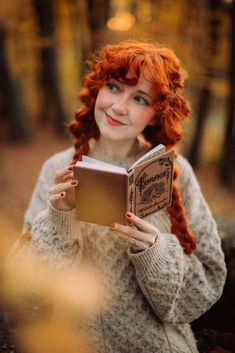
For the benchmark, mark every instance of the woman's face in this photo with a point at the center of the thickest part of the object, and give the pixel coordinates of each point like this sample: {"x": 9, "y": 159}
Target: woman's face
{"x": 122, "y": 112}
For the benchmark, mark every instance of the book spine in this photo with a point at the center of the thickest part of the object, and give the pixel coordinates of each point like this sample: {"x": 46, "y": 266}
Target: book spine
{"x": 130, "y": 192}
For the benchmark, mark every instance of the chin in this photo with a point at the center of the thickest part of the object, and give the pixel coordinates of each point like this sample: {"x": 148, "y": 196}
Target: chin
{"x": 111, "y": 134}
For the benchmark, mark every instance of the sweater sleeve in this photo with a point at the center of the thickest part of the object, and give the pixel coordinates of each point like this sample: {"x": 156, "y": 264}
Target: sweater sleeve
{"x": 55, "y": 236}
{"x": 50, "y": 245}
{"x": 178, "y": 286}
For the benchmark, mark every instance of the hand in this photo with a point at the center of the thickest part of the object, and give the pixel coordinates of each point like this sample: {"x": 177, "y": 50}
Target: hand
{"x": 141, "y": 234}
{"x": 62, "y": 193}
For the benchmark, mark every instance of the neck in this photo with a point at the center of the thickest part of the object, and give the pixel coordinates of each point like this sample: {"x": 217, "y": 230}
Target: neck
{"x": 117, "y": 148}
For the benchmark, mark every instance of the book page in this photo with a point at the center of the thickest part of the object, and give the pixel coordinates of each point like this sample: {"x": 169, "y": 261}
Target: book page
{"x": 93, "y": 160}
{"x": 95, "y": 164}
{"x": 148, "y": 155}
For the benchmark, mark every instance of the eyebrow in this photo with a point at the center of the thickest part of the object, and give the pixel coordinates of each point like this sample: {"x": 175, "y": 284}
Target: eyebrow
{"x": 143, "y": 92}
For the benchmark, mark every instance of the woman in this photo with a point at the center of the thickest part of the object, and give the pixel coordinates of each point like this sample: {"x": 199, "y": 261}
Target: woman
{"x": 165, "y": 270}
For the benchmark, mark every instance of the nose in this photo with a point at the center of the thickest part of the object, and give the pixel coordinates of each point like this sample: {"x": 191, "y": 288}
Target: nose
{"x": 120, "y": 106}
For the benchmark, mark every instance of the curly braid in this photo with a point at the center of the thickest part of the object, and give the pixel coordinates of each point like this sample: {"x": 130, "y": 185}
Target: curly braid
{"x": 179, "y": 222}
{"x": 161, "y": 66}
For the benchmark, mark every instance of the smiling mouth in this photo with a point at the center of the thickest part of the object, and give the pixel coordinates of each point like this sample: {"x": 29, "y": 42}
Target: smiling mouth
{"x": 113, "y": 121}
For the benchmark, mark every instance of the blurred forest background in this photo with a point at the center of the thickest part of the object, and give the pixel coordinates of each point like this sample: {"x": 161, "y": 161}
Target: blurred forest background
{"x": 43, "y": 47}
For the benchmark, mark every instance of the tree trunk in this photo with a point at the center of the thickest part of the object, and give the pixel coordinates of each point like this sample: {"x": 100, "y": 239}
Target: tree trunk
{"x": 205, "y": 92}
{"x": 79, "y": 14}
{"x": 98, "y": 10}
{"x": 12, "y": 106}
{"x": 51, "y": 107}
{"x": 228, "y": 160}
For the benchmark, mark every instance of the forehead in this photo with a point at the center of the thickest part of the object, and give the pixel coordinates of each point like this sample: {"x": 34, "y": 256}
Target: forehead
{"x": 141, "y": 83}
{"x": 144, "y": 84}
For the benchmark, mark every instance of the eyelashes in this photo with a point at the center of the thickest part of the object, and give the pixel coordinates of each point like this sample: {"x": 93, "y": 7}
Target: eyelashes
{"x": 117, "y": 88}
{"x": 141, "y": 100}
{"x": 112, "y": 87}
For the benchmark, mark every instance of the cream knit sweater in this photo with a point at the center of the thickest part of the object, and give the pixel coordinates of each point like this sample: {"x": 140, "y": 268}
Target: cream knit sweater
{"x": 156, "y": 293}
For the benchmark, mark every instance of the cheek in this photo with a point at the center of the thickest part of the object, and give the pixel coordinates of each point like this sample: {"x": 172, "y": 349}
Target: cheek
{"x": 144, "y": 119}
{"x": 98, "y": 101}
{"x": 102, "y": 99}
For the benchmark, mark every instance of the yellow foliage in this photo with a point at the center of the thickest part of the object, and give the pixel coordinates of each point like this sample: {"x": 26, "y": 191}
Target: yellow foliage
{"x": 44, "y": 337}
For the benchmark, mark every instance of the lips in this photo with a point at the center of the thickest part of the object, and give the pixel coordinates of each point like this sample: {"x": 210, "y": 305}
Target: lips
{"x": 112, "y": 121}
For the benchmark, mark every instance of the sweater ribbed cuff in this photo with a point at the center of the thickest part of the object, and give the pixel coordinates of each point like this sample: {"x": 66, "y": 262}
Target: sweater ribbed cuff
{"x": 155, "y": 258}
{"x": 64, "y": 221}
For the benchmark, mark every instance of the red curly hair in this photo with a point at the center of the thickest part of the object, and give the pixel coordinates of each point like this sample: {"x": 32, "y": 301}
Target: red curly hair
{"x": 161, "y": 66}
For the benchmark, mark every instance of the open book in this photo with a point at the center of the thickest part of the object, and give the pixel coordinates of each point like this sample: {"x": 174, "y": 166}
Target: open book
{"x": 106, "y": 192}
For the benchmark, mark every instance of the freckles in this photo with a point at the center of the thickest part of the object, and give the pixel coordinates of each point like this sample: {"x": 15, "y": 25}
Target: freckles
{"x": 103, "y": 100}
{"x": 144, "y": 119}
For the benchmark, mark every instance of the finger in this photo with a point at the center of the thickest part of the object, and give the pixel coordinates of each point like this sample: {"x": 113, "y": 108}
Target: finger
{"x": 132, "y": 232}
{"x": 63, "y": 173}
{"x": 68, "y": 177}
{"x": 58, "y": 188}
{"x": 141, "y": 223}
{"x": 134, "y": 243}
{"x": 56, "y": 197}
{"x": 138, "y": 245}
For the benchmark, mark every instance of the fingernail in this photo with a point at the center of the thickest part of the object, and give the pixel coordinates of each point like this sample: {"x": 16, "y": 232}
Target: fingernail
{"x": 112, "y": 226}
{"x": 70, "y": 167}
{"x": 129, "y": 214}
{"x": 74, "y": 182}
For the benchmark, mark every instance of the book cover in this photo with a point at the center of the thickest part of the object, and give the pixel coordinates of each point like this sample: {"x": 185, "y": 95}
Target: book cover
{"x": 106, "y": 192}
{"x": 153, "y": 184}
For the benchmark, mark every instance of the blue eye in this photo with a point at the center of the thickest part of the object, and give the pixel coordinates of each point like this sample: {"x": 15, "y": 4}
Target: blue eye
{"x": 112, "y": 87}
{"x": 141, "y": 100}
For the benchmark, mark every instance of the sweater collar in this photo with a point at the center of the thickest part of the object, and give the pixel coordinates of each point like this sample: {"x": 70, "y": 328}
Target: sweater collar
{"x": 117, "y": 160}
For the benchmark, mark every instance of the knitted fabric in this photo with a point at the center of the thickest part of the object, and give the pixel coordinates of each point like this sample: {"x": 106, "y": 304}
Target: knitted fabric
{"x": 156, "y": 293}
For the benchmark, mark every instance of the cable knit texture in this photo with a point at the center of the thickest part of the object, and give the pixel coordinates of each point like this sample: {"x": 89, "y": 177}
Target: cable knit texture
{"x": 155, "y": 293}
